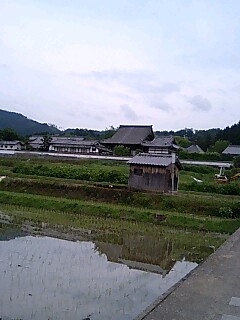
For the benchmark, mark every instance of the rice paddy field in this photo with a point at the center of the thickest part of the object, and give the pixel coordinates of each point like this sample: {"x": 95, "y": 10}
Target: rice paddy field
{"x": 75, "y": 243}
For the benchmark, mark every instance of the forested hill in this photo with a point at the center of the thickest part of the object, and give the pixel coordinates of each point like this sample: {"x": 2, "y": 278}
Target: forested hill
{"x": 24, "y": 126}
{"x": 215, "y": 139}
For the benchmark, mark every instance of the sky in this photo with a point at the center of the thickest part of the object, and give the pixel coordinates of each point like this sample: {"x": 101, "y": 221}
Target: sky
{"x": 92, "y": 64}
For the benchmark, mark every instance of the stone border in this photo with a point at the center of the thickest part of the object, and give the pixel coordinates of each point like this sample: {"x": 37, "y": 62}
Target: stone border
{"x": 224, "y": 247}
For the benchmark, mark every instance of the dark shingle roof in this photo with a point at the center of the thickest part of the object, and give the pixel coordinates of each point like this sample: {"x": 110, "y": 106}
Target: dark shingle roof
{"x": 161, "y": 160}
{"x": 39, "y": 139}
{"x": 36, "y": 139}
{"x": 194, "y": 148}
{"x": 127, "y": 134}
{"x": 232, "y": 149}
{"x": 61, "y": 141}
{"x": 161, "y": 141}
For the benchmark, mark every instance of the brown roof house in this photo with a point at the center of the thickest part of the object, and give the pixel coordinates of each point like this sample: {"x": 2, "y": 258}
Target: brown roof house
{"x": 130, "y": 136}
{"x": 154, "y": 172}
{"x": 160, "y": 144}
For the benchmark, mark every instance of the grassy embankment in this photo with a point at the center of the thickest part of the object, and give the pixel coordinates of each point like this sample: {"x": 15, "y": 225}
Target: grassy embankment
{"x": 189, "y": 210}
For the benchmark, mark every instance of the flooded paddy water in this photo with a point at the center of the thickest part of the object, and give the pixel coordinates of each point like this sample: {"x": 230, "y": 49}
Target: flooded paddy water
{"x": 55, "y": 273}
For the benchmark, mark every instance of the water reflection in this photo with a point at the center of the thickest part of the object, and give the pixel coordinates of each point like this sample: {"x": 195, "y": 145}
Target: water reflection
{"x": 140, "y": 252}
{"x": 49, "y": 278}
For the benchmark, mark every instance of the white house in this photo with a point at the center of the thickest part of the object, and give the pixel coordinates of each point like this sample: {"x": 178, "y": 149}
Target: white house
{"x": 11, "y": 145}
{"x": 76, "y": 145}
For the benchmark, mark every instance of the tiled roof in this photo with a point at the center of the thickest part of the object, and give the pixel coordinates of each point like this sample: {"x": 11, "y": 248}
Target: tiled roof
{"x": 162, "y": 160}
{"x": 130, "y": 135}
{"x": 14, "y": 142}
{"x": 72, "y": 142}
{"x": 232, "y": 149}
{"x": 194, "y": 148}
{"x": 39, "y": 139}
{"x": 161, "y": 141}
{"x": 36, "y": 139}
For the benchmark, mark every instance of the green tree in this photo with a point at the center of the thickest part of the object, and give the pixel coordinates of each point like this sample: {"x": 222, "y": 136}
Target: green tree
{"x": 236, "y": 162}
{"x": 108, "y": 132}
{"x": 231, "y": 134}
{"x": 121, "y": 151}
{"x": 205, "y": 138}
{"x": 9, "y": 134}
{"x": 182, "y": 142}
{"x": 219, "y": 146}
{"x": 46, "y": 140}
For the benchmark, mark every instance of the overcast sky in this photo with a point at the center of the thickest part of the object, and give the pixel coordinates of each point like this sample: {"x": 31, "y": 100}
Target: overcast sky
{"x": 95, "y": 63}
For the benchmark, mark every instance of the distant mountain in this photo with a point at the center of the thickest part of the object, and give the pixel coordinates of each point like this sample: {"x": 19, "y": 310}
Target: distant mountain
{"x": 24, "y": 126}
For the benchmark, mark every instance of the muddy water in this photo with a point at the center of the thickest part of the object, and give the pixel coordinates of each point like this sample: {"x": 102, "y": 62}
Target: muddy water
{"x": 72, "y": 277}
{"x": 48, "y": 278}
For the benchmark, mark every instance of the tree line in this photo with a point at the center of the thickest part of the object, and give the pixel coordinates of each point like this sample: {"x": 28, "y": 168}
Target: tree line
{"x": 211, "y": 140}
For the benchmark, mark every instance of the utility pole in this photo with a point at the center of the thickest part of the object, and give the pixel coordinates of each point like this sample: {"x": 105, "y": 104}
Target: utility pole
{"x": 172, "y": 173}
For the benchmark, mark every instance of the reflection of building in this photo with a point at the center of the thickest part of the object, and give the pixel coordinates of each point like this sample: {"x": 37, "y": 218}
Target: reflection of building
{"x": 144, "y": 253}
{"x": 154, "y": 172}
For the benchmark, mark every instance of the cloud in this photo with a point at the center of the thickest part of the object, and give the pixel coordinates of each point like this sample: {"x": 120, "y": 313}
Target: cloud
{"x": 200, "y": 103}
{"x": 73, "y": 64}
{"x": 128, "y": 112}
{"x": 169, "y": 87}
{"x": 218, "y": 91}
{"x": 161, "y": 105}
{"x": 140, "y": 81}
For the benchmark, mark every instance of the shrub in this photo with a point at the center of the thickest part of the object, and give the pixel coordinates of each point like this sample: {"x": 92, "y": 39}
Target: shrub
{"x": 227, "y": 189}
{"x": 225, "y": 212}
{"x": 88, "y": 173}
{"x": 122, "y": 151}
{"x": 200, "y": 169}
{"x": 236, "y": 162}
{"x": 214, "y": 156}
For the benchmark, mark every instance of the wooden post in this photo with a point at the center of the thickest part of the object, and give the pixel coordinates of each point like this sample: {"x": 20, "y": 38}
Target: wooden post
{"x": 172, "y": 173}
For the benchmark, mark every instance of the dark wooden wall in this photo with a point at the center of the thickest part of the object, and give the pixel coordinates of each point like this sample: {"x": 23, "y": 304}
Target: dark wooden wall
{"x": 153, "y": 178}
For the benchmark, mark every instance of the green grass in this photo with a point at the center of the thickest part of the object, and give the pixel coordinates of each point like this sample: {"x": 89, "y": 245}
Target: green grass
{"x": 119, "y": 212}
{"x": 194, "y": 245}
{"x": 5, "y": 171}
{"x": 186, "y": 177}
{"x": 197, "y": 203}
{"x": 109, "y": 172}
{"x": 188, "y": 217}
